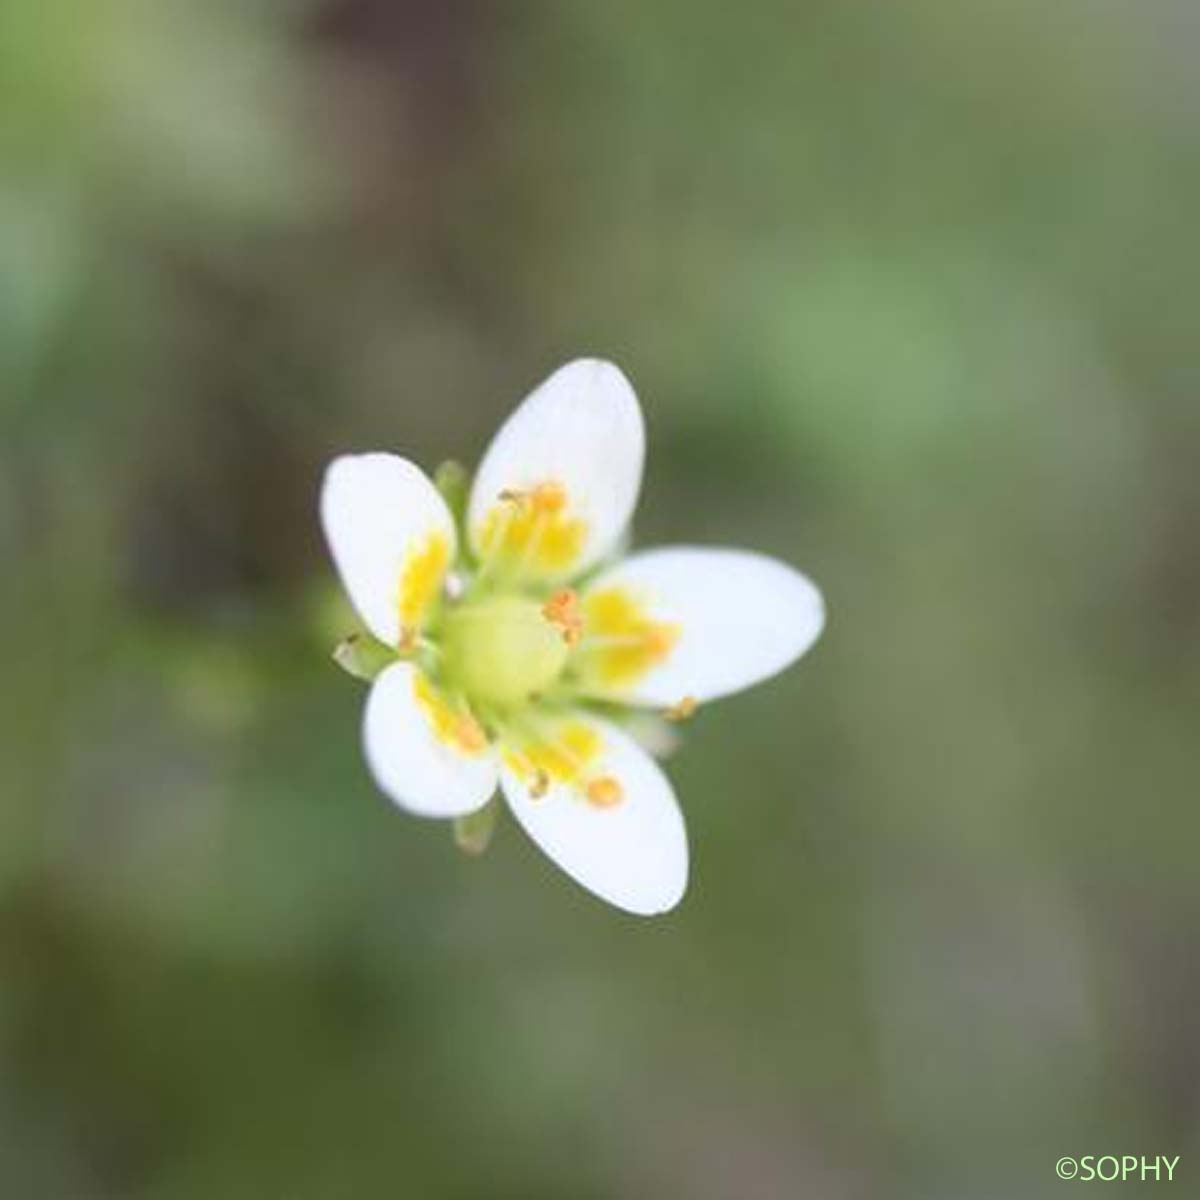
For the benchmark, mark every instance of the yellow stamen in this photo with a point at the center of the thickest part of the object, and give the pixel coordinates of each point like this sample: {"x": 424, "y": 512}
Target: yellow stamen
{"x": 562, "y": 754}
{"x": 455, "y": 727}
{"x": 421, "y": 579}
{"x": 540, "y": 784}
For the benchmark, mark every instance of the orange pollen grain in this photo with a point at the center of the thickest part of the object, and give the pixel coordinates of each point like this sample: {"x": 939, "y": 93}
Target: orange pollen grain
{"x": 562, "y": 609}
{"x": 549, "y": 497}
{"x": 604, "y": 792}
{"x": 469, "y": 735}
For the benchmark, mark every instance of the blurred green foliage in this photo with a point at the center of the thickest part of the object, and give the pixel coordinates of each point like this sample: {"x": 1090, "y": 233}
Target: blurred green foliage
{"x": 908, "y": 293}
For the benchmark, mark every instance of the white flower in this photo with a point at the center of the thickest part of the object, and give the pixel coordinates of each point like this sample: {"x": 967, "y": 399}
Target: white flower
{"x": 498, "y": 669}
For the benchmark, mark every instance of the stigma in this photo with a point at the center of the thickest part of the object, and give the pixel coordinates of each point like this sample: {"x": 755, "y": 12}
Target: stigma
{"x": 503, "y": 651}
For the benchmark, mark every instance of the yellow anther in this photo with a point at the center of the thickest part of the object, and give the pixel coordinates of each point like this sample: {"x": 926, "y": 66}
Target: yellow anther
{"x": 683, "y": 711}
{"x": 562, "y": 609}
{"x": 408, "y": 640}
{"x": 540, "y": 784}
{"x": 559, "y": 604}
{"x": 513, "y": 496}
{"x": 604, "y": 792}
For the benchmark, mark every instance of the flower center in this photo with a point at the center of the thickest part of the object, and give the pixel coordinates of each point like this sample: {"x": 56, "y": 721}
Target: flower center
{"x": 503, "y": 650}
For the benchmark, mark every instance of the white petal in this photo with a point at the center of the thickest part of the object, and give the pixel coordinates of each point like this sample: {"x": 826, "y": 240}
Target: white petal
{"x": 579, "y": 435}
{"x": 724, "y": 620}
{"x": 421, "y": 769}
{"x": 391, "y": 536}
{"x": 632, "y": 853}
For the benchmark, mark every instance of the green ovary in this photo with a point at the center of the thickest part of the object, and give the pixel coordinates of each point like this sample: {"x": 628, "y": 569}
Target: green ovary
{"x": 502, "y": 651}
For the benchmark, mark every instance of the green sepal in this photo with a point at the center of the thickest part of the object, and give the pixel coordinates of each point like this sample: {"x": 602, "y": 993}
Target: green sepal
{"x": 473, "y": 833}
{"x": 453, "y": 481}
{"x": 362, "y": 656}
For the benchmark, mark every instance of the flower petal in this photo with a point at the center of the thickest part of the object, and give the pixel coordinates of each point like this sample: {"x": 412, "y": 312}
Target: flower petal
{"x": 611, "y": 823}
{"x": 560, "y": 480}
{"x": 392, "y": 539}
{"x": 428, "y": 756}
{"x": 684, "y": 624}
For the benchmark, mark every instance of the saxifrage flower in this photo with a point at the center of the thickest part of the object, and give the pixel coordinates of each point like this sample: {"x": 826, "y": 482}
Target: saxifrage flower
{"x": 511, "y": 646}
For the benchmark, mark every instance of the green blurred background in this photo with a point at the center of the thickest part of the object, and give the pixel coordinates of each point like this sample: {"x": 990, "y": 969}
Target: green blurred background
{"x": 909, "y": 291}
